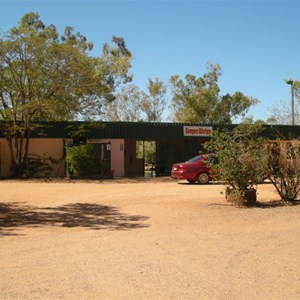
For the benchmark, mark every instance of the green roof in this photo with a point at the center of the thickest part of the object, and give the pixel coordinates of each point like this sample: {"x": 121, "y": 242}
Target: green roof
{"x": 139, "y": 130}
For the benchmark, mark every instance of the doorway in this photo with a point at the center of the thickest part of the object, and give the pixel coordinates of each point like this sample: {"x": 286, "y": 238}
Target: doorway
{"x": 102, "y": 152}
{"x": 146, "y": 150}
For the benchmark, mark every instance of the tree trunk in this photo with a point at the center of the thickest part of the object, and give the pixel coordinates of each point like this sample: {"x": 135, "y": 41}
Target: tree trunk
{"x": 18, "y": 148}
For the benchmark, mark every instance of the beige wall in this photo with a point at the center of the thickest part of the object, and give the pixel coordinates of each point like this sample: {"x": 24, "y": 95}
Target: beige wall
{"x": 47, "y": 148}
{"x": 116, "y": 152}
{"x": 51, "y": 150}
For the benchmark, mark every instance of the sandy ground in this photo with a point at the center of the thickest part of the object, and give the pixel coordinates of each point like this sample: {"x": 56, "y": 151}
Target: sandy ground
{"x": 144, "y": 239}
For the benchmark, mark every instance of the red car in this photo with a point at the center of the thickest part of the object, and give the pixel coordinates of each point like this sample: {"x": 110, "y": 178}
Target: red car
{"x": 194, "y": 170}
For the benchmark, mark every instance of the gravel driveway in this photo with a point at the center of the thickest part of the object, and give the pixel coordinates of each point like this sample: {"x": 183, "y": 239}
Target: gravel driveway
{"x": 144, "y": 239}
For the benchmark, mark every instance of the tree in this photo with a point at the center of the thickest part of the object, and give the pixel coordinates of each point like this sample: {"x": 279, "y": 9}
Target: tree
{"x": 154, "y": 103}
{"x": 242, "y": 160}
{"x": 284, "y": 168}
{"x": 126, "y": 107}
{"x": 44, "y": 76}
{"x": 282, "y": 113}
{"x": 134, "y": 105}
{"x": 197, "y": 100}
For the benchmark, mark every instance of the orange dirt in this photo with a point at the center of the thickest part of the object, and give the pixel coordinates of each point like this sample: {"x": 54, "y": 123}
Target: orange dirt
{"x": 144, "y": 239}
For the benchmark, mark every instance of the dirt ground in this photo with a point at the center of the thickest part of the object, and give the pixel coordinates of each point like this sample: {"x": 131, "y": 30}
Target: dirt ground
{"x": 144, "y": 239}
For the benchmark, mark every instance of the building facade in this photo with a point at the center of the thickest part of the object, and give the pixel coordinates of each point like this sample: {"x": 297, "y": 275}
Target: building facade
{"x": 117, "y": 143}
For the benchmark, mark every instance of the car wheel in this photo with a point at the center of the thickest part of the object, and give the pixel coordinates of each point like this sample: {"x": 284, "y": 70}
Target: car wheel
{"x": 191, "y": 181}
{"x": 203, "y": 178}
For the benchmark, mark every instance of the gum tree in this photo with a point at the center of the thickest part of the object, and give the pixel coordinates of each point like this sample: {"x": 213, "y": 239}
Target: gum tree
{"x": 154, "y": 102}
{"x": 126, "y": 107}
{"x": 198, "y": 100}
{"x": 47, "y": 76}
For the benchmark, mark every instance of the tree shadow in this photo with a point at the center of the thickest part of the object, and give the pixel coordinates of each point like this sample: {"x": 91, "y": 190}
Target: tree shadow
{"x": 258, "y": 204}
{"x": 275, "y": 203}
{"x": 15, "y": 215}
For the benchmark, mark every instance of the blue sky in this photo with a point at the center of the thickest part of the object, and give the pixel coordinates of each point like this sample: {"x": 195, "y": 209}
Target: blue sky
{"x": 256, "y": 42}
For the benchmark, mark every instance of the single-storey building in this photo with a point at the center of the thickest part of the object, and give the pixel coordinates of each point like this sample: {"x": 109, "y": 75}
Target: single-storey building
{"x": 117, "y": 143}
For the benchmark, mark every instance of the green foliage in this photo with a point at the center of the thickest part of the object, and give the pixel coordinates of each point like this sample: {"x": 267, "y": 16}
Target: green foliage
{"x": 154, "y": 102}
{"x": 235, "y": 196}
{"x": 197, "y": 100}
{"x": 146, "y": 150}
{"x": 38, "y": 167}
{"x": 45, "y": 76}
{"x": 79, "y": 130}
{"x": 82, "y": 160}
{"x": 131, "y": 102}
{"x": 245, "y": 157}
{"x": 241, "y": 198}
{"x": 126, "y": 107}
{"x": 242, "y": 158}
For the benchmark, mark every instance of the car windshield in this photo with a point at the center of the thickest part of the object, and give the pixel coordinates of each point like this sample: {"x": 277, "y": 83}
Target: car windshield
{"x": 206, "y": 158}
{"x": 194, "y": 159}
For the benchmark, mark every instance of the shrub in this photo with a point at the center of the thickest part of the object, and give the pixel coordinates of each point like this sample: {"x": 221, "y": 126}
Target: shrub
{"x": 82, "y": 160}
{"x": 242, "y": 158}
{"x": 284, "y": 168}
{"x": 38, "y": 167}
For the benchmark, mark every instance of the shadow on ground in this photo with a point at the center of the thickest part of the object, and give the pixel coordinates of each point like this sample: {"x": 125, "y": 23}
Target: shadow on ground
{"x": 276, "y": 203}
{"x": 258, "y": 204}
{"x": 14, "y": 215}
